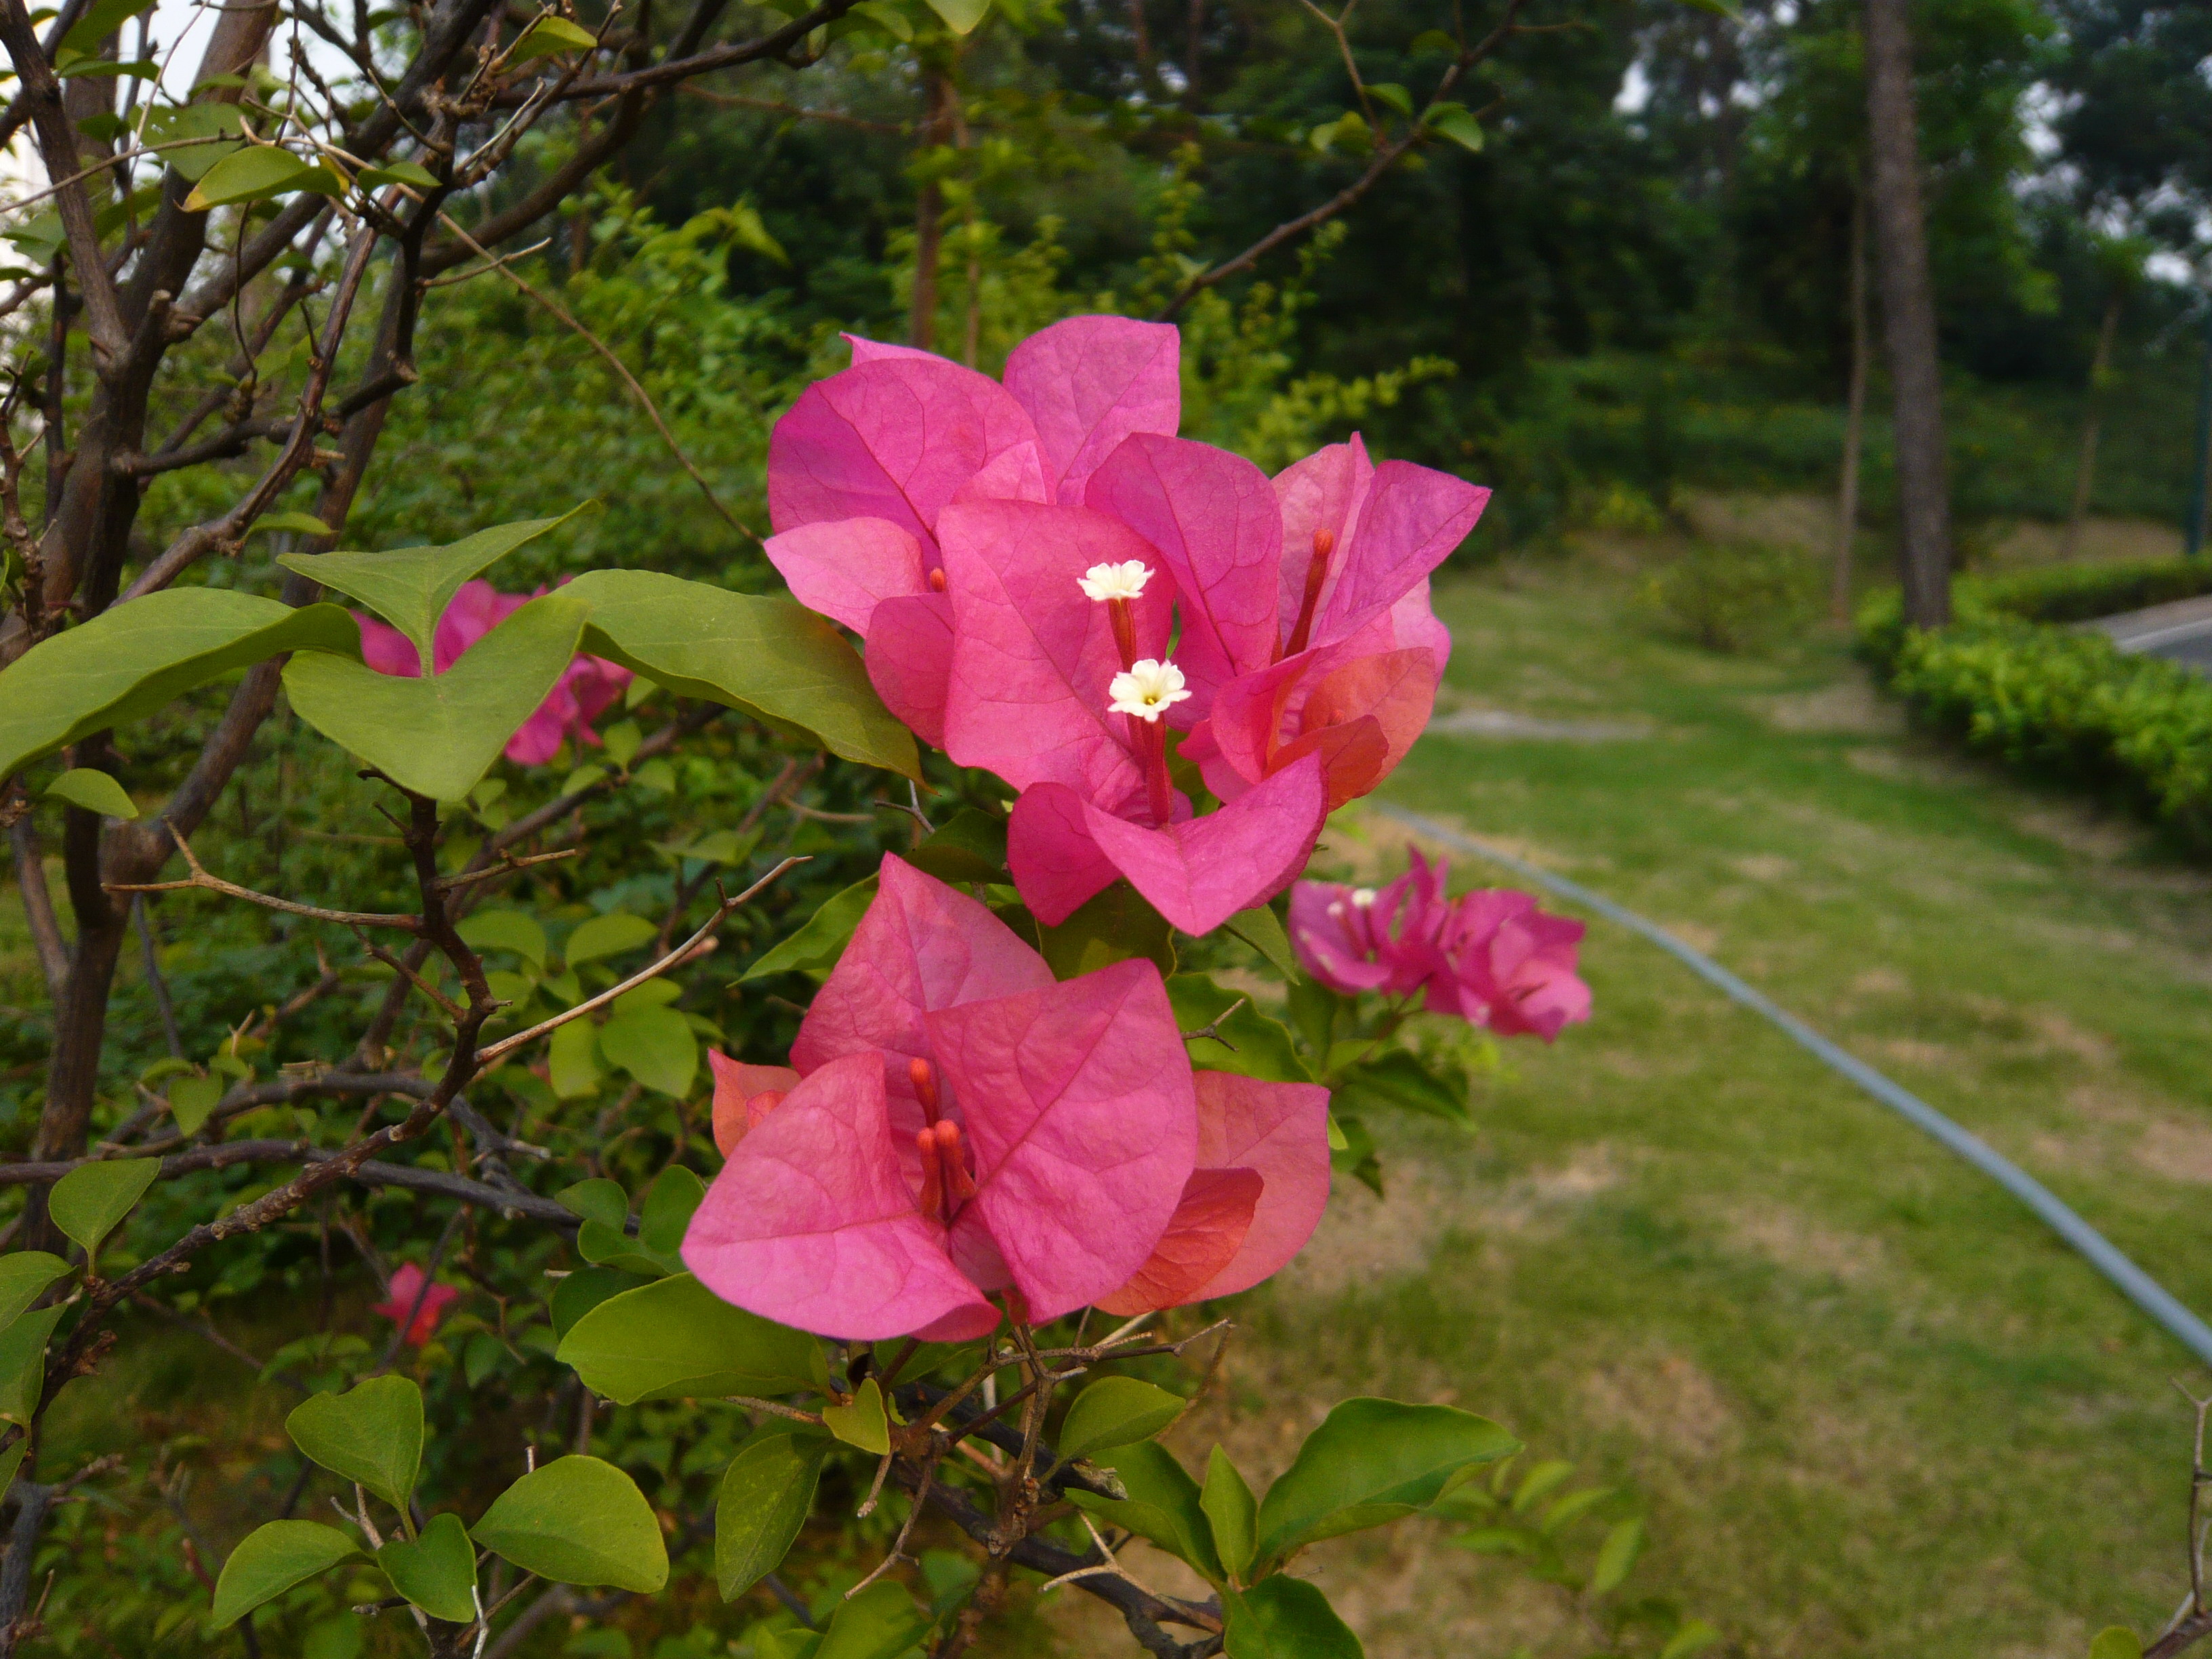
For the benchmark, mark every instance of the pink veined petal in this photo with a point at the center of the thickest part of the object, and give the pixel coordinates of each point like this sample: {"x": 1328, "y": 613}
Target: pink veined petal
{"x": 1088, "y": 383}
{"x": 1410, "y": 520}
{"x": 538, "y": 738}
{"x": 1280, "y": 1132}
{"x": 810, "y": 1222}
{"x": 909, "y": 661}
{"x": 597, "y": 684}
{"x": 1033, "y": 658}
{"x": 1056, "y": 866}
{"x": 865, "y": 351}
{"x": 844, "y": 567}
{"x": 1012, "y": 475}
{"x": 1363, "y": 719}
{"x": 1413, "y": 624}
{"x": 736, "y": 1087}
{"x": 1078, "y": 1102}
{"x": 1203, "y": 751}
{"x": 1324, "y": 941}
{"x": 1216, "y": 523}
{"x": 1203, "y": 1238}
{"x": 893, "y": 438}
{"x": 1324, "y": 492}
{"x": 1200, "y": 872}
{"x": 385, "y": 650}
{"x": 921, "y": 945}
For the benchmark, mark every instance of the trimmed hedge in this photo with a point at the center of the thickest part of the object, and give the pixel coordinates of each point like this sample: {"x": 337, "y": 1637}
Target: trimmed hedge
{"x": 2063, "y": 702}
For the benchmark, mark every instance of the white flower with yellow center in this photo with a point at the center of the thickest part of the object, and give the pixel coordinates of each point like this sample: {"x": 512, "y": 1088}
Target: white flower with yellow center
{"x": 1362, "y": 896}
{"x": 1147, "y": 690}
{"x": 1115, "y": 581}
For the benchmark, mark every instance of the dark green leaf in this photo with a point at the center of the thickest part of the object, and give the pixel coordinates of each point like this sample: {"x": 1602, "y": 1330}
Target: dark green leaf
{"x": 1116, "y": 1411}
{"x": 862, "y": 1422}
{"x": 410, "y": 586}
{"x": 1397, "y": 1078}
{"x": 1285, "y": 1618}
{"x": 400, "y": 173}
{"x": 1456, "y": 122}
{"x": 665, "y": 1215}
{"x": 583, "y": 1289}
{"x": 438, "y": 1571}
{"x": 371, "y": 1434}
{"x": 100, "y": 19}
{"x": 1163, "y": 1505}
{"x": 675, "y": 1339}
{"x": 272, "y": 1559}
{"x": 1262, "y": 929}
{"x": 24, "y": 1274}
{"x": 1369, "y": 1461}
{"x": 439, "y": 736}
{"x": 969, "y": 846}
{"x": 22, "y": 1361}
{"x": 881, "y": 1622}
{"x": 1246, "y": 1043}
{"x": 11, "y": 1463}
{"x": 191, "y": 1099}
{"x": 1113, "y": 926}
{"x": 136, "y": 658}
{"x": 1234, "y": 1513}
{"x": 815, "y": 948}
{"x": 87, "y": 1203}
{"x": 578, "y": 1520}
{"x": 93, "y": 790}
{"x": 765, "y": 657}
{"x": 766, "y": 1495}
{"x": 596, "y": 1199}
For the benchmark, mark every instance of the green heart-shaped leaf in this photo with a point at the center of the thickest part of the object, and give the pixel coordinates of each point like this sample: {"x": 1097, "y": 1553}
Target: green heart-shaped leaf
{"x": 272, "y": 1559}
{"x": 371, "y": 1434}
{"x": 766, "y": 1497}
{"x": 676, "y": 1339}
{"x": 93, "y": 790}
{"x": 1116, "y": 1411}
{"x": 87, "y": 1201}
{"x": 578, "y": 1520}
{"x": 438, "y": 1571}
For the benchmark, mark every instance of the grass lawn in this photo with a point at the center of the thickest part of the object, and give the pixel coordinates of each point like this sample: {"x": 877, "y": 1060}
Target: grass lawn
{"x": 1871, "y": 1406}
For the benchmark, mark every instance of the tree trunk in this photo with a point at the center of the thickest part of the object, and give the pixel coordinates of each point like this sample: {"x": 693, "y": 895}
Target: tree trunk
{"x": 1847, "y": 503}
{"x": 928, "y": 215}
{"x": 2085, "y": 470}
{"x": 1193, "y": 52}
{"x": 1908, "y": 306}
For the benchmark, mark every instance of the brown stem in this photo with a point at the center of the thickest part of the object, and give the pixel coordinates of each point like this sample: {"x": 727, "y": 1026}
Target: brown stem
{"x": 1847, "y": 505}
{"x": 2084, "y": 469}
{"x": 38, "y": 906}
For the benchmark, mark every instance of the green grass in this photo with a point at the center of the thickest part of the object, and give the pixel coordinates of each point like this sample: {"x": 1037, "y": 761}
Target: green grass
{"x": 1873, "y": 1406}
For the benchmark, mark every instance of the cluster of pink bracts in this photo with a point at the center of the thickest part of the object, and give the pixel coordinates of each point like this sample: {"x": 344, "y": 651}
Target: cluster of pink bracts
{"x": 1019, "y": 555}
{"x": 956, "y": 1123}
{"x": 1490, "y": 956}
{"x": 588, "y": 690}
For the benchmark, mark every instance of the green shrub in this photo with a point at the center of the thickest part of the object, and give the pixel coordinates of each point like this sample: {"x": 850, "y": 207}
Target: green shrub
{"x": 2048, "y": 594}
{"x": 1728, "y": 598}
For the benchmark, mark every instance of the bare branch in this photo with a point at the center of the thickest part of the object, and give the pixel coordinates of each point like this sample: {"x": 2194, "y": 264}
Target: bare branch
{"x": 200, "y": 877}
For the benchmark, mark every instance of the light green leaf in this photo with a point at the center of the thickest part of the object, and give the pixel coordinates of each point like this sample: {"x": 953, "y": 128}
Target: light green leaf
{"x": 87, "y": 1201}
{"x": 1695, "y": 1635}
{"x": 1247, "y": 1043}
{"x": 548, "y": 37}
{"x": 881, "y": 1622}
{"x": 815, "y": 948}
{"x": 100, "y": 19}
{"x": 24, "y": 1276}
{"x": 596, "y": 1199}
{"x": 888, "y": 18}
{"x": 572, "y": 1059}
{"x": 305, "y": 524}
{"x": 862, "y": 1423}
{"x": 583, "y": 1289}
{"x": 611, "y": 935}
{"x": 22, "y": 1362}
{"x": 1539, "y": 1483}
{"x": 578, "y": 1520}
{"x": 1233, "y": 1511}
{"x": 410, "y": 586}
{"x": 669, "y": 1203}
{"x": 272, "y": 1559}
{"x": 1262, "y": 929}
{"x": 1456, "y": 122}
{"x": 438, "y": 736}
{"x": 136, "y": 658}
{"x": 676, "y": 1339}
{"x": 371, "y": 1434}
{"x": 1369, "y": 1461}
{"x": 655, "y": 1046}
{"x": 400, "y": 173}
{"x": 1282, "y": 1617}
{"x": 438, "y": 1571}
{"x": 761, "y": 656}
{"x": 766, "y": 1497}
{"x": 93, "y": 790}
{"x": 254, "y": 173}
{"x": 1163, "y": 1505}
{"x": 1391, "y": 95}
{"x": 1116, "y": 1411}
{"x": 504, "y": 930}
{"x": 1115, "y": 926}
{"x": 193, "y": 138}
{"x": 1617, "y": 1555}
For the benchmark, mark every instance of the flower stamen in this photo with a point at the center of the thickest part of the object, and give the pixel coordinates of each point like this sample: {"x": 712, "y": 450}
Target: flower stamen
{"x": 1114, "y": 585}
{"x": 1324, "y": 544}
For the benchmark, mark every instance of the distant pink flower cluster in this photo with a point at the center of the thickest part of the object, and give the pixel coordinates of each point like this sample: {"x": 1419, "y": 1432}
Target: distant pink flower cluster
{"x": 955, "y": 1124}
{"x": 1490, "y": 956}
{"x": 1019, "y": 555}
{"x": 590, "y": 686}
{"x": 401, "y": 1297}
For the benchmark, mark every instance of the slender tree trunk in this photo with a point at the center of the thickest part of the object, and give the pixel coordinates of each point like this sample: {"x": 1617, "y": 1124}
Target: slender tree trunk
{"x": 1908, "y": 306}
{"x": 1143, "y": 36}
{"x": 1193, "y": 52}
{"x": 929, "y": 215}
{"x": 2085, "y": 470}
{"x": 1847, "y": 503}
